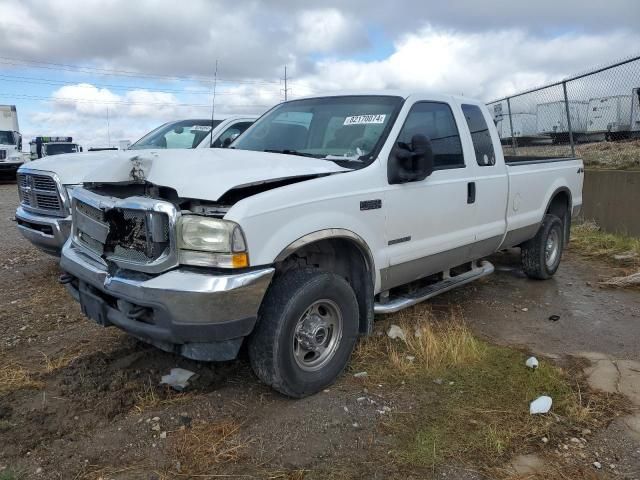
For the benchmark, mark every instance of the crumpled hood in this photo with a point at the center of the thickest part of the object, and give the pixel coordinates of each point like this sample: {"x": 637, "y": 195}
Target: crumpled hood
{"x": 205, "y": 174}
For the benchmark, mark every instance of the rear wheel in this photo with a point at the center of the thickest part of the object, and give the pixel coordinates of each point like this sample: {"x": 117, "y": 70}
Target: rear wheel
{"x": 306, "y": 331}
{"x": 541, "y": 255}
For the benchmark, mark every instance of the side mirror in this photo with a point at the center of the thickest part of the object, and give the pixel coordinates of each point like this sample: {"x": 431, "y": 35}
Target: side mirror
{"x": 227, "y": 142}
{"x": 410, "y": 163}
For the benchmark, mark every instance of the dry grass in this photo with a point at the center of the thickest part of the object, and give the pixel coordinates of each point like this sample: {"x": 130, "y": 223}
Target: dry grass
{"x": 472, "y": 397}
{"x": 619, "y": 155}
{"x": 623, "y": 251}
{"x": 58, "y": 362}
{"x": 205, "y": 446}
{"x": 589, "y": 239}
{"x": 15, "y": 377}
{"x": 152, "y": 397}
{"x": 430, "y": 345}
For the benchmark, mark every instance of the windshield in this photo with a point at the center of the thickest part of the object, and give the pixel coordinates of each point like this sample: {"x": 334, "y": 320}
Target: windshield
{"x": 58, "y": 148}
{"x": 182, "y": 134}
{"x": 6, "y": 138}
{"x": 335, "y": 128}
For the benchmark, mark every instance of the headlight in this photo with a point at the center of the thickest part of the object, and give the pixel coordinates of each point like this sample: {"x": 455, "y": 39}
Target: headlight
{"x": 210, "y": 242}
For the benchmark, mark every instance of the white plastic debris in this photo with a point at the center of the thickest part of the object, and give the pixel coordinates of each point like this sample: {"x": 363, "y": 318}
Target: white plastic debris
{"x": 598, "y": 465}
{"x": 396, "y": 332}
{"x": 360, "y": 374}
{"x": 540, "y": 405}
{"x": 532, "y": 362}
{"x": 178, "y": 378}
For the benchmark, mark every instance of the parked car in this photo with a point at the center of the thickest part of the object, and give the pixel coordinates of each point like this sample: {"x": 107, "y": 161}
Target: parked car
{"x": 44, "y": 215}
{"x": 324, "y": 212}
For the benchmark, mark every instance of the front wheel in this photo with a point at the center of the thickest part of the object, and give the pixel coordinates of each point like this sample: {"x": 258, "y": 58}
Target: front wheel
{"x": 307, "y": 329}
{"x": 541, "y": 255}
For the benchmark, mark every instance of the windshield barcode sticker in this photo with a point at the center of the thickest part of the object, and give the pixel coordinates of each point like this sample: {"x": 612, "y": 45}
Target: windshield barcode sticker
{"x": 364, "y": 119}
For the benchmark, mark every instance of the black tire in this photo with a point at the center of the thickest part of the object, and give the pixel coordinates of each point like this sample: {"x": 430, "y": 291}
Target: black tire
{"x": 271, "y": 349}
{"x": 533, "y": 252}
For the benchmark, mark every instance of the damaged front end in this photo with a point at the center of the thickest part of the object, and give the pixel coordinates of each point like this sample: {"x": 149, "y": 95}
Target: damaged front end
{"x": 124, "y": 265}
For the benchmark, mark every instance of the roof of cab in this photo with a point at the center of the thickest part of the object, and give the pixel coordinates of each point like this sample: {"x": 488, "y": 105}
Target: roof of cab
{"x": 393, "y": 93}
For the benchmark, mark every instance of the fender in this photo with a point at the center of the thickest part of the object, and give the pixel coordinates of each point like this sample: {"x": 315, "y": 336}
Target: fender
{"x": 327, "y": 234}
{"x": 556, "y": 192}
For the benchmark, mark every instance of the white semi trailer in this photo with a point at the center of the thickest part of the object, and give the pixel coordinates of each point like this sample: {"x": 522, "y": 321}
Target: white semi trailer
{"x": 609, "y": 118}
{"x": 551, "y": 119}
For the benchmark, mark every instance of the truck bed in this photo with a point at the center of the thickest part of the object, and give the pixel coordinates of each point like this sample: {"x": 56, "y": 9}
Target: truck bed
{"x": 531, "y": 159}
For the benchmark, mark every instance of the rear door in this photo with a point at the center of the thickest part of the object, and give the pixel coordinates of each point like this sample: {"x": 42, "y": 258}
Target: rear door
{"x": 490, "y": 187}
{"x": 429, "y": 224}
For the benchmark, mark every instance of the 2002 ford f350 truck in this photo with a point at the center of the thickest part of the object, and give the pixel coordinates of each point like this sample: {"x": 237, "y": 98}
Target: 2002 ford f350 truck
{"x": 44, "y": 214}
{"x": 324, "y": 212}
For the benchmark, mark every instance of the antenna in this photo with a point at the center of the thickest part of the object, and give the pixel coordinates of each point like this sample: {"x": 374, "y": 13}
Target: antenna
{"x": 108, "y": 131}
{"x": 213, "y": 103}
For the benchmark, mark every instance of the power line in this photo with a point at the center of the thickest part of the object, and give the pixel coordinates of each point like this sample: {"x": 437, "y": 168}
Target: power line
{"x": 122, "y": 73}
{"x": 45, "y": 81}
{"x": 115, "y": 102}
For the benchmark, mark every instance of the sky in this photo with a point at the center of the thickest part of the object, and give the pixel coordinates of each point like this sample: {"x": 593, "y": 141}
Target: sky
{"x": 110, "y": 70}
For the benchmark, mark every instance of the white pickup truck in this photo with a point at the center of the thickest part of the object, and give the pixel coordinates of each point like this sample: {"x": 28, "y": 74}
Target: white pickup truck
{"x": 44, "y": 213}
{"x": 325, "y": 212}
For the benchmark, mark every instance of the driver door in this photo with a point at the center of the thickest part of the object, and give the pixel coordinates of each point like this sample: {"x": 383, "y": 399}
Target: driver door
{"x": 429, "y": 226}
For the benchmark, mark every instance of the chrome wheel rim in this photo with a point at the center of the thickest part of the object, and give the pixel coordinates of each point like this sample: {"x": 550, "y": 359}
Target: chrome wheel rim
{"x": 317, "y": 335}
{"x": 552, "y": 248}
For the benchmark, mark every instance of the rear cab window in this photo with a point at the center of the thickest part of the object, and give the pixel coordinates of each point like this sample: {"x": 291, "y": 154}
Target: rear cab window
{"x": 480, "y": 135}
{"x": 435, "y": 120}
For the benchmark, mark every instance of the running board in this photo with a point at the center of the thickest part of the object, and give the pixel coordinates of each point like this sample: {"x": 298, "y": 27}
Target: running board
{"x": 448, "y": 283}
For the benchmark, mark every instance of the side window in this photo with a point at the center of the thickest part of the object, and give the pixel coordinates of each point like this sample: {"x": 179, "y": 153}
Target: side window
{"x": 435, "y": 121}
{"x": 231, "y": 133}
{"x": 480, "y": 135}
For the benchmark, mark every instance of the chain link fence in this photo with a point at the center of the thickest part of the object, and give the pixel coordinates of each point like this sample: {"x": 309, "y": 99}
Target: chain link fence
{"x": 594, "y": 115}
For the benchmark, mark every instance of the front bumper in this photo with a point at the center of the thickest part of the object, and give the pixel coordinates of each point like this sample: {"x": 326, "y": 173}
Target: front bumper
{"x": 47, "y": 233}
{"x": 9, "y": 168}
{"x": 203, "y": 316}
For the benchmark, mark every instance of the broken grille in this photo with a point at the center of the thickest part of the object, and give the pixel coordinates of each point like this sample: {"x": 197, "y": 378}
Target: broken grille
{"x": 40, "y": 194}
{"x": 122, "y": 234}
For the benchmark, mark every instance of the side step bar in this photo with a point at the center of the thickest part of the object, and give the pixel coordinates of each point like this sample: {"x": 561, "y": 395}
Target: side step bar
{"x": 403, "y": 301}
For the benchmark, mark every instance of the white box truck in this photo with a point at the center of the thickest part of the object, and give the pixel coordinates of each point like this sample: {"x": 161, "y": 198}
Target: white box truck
{"x": 609, "y": 118}
{"x": 10, "y": 141}
{"x": 551, "y": 120}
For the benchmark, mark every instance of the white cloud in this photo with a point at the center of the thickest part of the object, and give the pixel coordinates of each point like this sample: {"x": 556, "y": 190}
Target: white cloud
{"x": 323, "y": 30}
{"x": 483, "y": 65}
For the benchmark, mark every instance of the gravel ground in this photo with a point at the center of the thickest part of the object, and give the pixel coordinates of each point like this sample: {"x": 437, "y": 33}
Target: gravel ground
{"x": 97, "y": 411}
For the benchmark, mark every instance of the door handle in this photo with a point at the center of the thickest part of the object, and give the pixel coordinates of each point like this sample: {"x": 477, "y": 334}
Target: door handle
{"x": 471, "y": 192}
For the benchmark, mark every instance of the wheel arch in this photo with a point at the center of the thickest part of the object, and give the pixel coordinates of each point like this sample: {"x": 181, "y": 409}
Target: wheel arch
{"x": 343, "y": 252}
{"x": 560, "y": 204}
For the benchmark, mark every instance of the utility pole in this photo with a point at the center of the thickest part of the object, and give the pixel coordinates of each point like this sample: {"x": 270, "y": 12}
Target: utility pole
{"x": 213, "y": 103}
{"x": 286, "y": 84}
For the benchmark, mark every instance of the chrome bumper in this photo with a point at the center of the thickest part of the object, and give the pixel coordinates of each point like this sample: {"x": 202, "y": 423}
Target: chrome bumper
{"x": 203, "y": 316}
{"x": 47, "y": 233}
